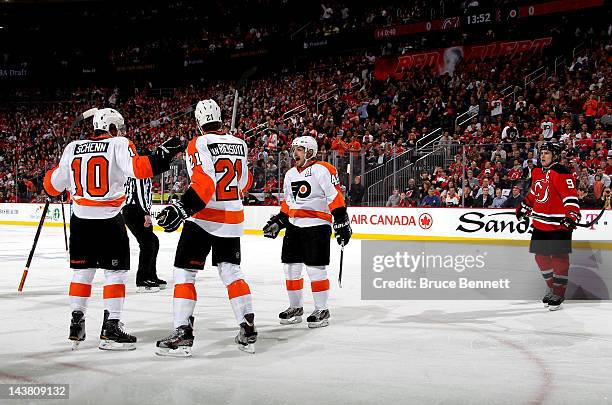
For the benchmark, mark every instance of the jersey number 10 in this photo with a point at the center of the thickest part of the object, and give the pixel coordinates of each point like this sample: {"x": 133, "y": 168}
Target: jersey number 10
{"x": 96, "y": 174}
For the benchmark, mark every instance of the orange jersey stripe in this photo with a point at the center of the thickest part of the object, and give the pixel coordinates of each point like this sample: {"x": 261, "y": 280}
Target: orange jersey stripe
{"x": 186, "y": 291}
{"x": 284, "y": 207}
{"x": 249, "y": 182}
{"x": 237, "y": 289}
{"x": 318, "y": 286}
{"x": 80, "y": 290}
{"x": 310, "y": 214}
{"x": 140, "y": 164}
{"x": 114, "y": 291}
{"x": 220, "y": 216}
{"x": 200, "y": 182}
{"x": 103, "y": 203}
{"x": 48, "y": 185}
{"x": 338, "y": 201}
{"x": 294, "y": 285}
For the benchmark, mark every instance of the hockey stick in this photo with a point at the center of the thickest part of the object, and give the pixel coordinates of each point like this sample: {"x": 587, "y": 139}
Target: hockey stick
{"x": 593, "y": 222}
{"x": 341, "y": 262}
{"x": 578, "y": 224}
{"x": 64, "y": 220}
{"x": 40, "y": 225}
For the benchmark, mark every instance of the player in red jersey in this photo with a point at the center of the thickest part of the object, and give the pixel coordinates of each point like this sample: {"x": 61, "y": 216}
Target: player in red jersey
{"x": 552, "y": 203}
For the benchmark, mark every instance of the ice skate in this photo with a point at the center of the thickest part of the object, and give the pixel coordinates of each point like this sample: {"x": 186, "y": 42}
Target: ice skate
{"x": 113, "y": 337}
{"x": 148, "y": 286}
{"x": 77, "y": 329}
{"x": 247, "y": 336}
{"x": 291, "y": 316}
{"x": 179, "y": 343}
{"x": 318, "y": 319}
{"x": 162, "y": 283}
{"x": 554, "y": 303}
{"x": 547, "y": 298}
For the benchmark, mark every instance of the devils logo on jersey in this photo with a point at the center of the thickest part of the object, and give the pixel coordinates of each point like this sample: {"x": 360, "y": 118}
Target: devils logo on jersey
{"x": 300, "y": 189}
{"x": 540, "y": 190}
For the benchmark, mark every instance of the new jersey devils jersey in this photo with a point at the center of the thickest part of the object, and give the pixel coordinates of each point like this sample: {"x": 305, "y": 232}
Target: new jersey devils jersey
{"x": 311, "y": 194}
{"x": 217, "y": 166}
{"x": 94, "y": 171}
{"x": 552, "y": 197}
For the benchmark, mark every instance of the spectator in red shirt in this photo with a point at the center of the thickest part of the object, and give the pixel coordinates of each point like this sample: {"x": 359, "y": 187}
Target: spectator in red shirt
{"x": 590, "y": 111}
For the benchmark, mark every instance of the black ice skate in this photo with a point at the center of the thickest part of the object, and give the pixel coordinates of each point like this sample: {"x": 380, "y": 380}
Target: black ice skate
{"x": 162, "y": 283}
{"x": 318, "y": 319}
{"x": 247, "y": 336}
{"x": 148, "y": 286}
{"x": 77, "y": 329}
{"x": 291, "y": 315}
{"x": 554, "y": 303}
{"x": 113, "y": 337}
{"x": 178, "y": 344}
{"x": 547, "y": 298}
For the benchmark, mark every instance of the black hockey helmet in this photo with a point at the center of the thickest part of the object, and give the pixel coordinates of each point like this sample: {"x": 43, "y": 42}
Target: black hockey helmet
{"x": 553, "y": 147}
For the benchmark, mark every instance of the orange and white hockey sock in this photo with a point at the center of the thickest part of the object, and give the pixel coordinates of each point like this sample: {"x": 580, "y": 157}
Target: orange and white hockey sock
{"x": 238, "y": 290}
{"x": 80, "y": 289}
{"x": 546, "y": 268}
{"x": 295, "y": 284}
{"x": 114, "y": 292}
{"x": 319, "y": 285}
{"x": 185, "y": 295}
{"x": 561, "y": 270}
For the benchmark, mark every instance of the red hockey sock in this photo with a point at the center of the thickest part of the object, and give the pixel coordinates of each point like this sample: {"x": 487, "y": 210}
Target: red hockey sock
{"x": 560, "y": 265}
{"x": 545, "y": 264}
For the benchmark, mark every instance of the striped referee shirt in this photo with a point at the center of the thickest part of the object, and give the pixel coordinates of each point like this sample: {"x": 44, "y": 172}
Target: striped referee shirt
{"x": 139, "y": 192}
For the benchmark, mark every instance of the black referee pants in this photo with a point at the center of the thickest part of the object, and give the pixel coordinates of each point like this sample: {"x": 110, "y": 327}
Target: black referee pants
{"x": 147, "y": 240}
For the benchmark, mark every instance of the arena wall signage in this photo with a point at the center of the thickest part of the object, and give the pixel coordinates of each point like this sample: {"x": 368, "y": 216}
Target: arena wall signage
{"x": 377, "y": 223}
{"x": 444, "y": 60}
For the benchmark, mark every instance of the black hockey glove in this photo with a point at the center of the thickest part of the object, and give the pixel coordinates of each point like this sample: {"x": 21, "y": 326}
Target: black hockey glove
{"x": 568, "y": 223}
{"x": 164, "y": 153}
{"x": 523, "y": 210}
{"x": 275, "y": 224}
{"x": 342, "y": 226}
{"x": 571, "y": 219}
{"x": 171, "y": 217}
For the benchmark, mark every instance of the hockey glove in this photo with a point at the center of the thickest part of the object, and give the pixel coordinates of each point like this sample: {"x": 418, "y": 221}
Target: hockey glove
{"x": 342, "y": 226}
{"x": 569, "y": 222}
{"x": 171, "y": 217}
{"x": 275, "y": 224}
{"x": 523, "y": 210}
{"x": 164, "y": 153}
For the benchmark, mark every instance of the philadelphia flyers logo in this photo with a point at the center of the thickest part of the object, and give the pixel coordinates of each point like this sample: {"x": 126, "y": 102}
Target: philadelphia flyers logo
{"x": 540, "y": 190}
{"x": 300, "y": 189}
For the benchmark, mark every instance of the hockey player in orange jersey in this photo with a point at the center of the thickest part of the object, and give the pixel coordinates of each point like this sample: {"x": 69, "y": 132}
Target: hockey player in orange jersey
{"x": 94, "y": 171}
{"x": 313, "y": 200}
{"x": 213, "y": 217}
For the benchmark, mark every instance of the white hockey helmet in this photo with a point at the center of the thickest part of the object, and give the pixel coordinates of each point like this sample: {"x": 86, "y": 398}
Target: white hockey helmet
{"x": 308, "y": 143}
{"x": 105, "y": 117}
{"x": 207, "y": 111}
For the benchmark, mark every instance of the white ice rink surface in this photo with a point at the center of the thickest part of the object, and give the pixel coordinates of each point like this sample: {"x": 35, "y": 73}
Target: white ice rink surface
{"x": 373, "y": 352}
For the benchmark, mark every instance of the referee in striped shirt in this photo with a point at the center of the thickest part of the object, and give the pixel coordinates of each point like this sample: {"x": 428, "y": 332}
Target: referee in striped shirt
{"x": 137, "y": 215}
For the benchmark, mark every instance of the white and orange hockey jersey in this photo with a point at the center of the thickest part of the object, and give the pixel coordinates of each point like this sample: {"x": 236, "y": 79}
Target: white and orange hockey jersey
{"x": 94, "y": 171}
{"x": 217, "y": 165}
{"x": 311, "y": 194}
